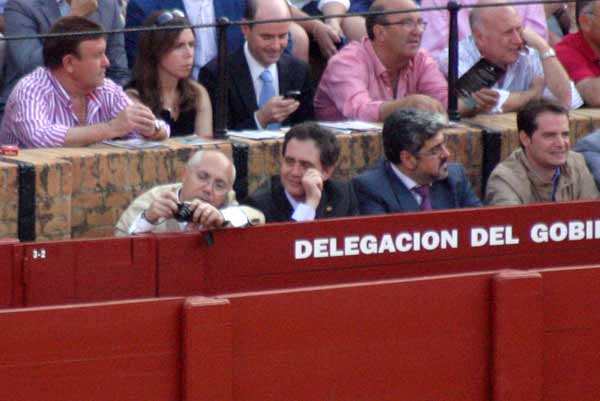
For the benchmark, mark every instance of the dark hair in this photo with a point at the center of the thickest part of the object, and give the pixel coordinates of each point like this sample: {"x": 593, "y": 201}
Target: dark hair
{"x": 372, "y": 20}
{"x": 325, "y": 140}
{"x": 527, "y": 116}
{"x": 57, "y": 47}
{"x": 153, "y": 45}
{"x": 409, "y": 129}
{"x": 580, "y": 7}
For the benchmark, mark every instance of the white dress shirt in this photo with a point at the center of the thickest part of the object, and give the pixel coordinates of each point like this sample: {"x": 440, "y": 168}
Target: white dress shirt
{"x": 302, "y": 212}
{"x": 202, "y": 12}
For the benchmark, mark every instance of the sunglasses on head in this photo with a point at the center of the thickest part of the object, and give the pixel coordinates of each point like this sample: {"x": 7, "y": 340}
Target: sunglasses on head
{"x": 168, "y": 16}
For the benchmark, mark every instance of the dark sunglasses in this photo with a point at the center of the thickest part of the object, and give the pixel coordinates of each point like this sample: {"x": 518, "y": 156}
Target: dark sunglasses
{"x": 168, "y": 16}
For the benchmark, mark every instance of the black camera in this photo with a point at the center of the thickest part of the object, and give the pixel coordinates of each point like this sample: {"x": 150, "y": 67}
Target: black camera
{"x": 184, "y": 213}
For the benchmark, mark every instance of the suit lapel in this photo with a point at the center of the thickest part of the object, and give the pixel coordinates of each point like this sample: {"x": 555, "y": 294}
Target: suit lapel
{"x": 281, "y": 69}
{"x": 283, "y": 206}
{"x": 242, "y": 81}
{"x": 441, "y": 197}
{"x": 402, "y": 197}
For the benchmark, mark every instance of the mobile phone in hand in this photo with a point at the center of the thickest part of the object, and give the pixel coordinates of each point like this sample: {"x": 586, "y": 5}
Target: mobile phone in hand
{"x": 293, "y": 94}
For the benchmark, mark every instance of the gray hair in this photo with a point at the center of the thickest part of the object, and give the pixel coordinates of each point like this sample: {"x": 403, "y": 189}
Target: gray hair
{"x": 409, "y": 129}
{"x": 199, "y": 155}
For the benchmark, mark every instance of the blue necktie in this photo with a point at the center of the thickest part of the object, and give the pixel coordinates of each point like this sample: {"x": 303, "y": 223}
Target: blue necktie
{"x": 267, "y": 92}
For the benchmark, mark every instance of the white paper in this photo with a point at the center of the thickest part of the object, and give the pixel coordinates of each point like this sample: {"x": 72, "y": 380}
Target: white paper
{"x": 256, "y": 134}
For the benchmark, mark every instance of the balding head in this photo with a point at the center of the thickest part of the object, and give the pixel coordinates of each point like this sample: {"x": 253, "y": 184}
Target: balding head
{"x": 208, "y": 176}
{"x": 267, "y": 9}
{"x": 385, "y": 5}
{"x": 497, "y": 32}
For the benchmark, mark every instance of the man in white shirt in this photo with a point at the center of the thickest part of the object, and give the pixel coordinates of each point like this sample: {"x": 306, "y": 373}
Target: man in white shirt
{"x": 205, "y": 190}
{"x": 532, "y": 69}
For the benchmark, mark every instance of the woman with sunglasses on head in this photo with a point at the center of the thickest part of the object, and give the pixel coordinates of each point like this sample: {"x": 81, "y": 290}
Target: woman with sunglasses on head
{"x": 161, "y": 76}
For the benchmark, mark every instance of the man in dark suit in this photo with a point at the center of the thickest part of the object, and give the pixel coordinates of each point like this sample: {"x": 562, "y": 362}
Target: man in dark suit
{"x": 31, "y": 17}
{"x": 416, "y": 174}
{"x": 260, "y": 74}
{"x": 303, "y": 191}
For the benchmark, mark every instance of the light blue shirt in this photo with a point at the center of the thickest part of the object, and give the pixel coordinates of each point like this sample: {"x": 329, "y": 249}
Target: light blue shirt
{"x": 518, "y": 77}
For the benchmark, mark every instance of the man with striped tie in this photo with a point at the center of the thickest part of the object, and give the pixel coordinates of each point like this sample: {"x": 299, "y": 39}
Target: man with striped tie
{"x": 261, "y": 76}
{"x": 69, "y": 101}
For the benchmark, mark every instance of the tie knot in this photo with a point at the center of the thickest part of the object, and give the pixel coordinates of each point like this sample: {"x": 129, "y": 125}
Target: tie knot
{"x": 422, "y": 190}
{"x": 266, "y": 76}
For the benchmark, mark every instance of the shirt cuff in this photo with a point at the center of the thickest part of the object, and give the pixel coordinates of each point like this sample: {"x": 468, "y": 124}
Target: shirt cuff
{"x": 502, "y": 98}
{"x": 304, "y": 213}
{"x": 258, "y": 126}
{"x": 140, "y": 225}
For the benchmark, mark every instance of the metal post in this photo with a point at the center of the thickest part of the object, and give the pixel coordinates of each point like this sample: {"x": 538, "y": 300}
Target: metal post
{"x": 221, "y": 107}
{"x": 453, "y": 8}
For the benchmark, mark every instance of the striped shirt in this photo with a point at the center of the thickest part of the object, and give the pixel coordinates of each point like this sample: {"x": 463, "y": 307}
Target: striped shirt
{"x": 39, "y": 111}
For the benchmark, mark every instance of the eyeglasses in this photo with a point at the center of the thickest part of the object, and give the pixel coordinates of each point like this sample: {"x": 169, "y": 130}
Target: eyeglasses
{"x": 217, "y": 185}
{"x": 168, "y": 16}
{"x": 408, "y": 23}
{"x": 436, "y": 151}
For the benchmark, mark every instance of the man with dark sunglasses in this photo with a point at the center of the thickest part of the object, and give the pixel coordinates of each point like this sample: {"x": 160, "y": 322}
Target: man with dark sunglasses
{"x": 416, "y": 174}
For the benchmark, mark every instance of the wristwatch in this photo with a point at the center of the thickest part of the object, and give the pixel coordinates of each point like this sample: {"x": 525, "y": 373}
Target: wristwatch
{"x": 548, "y": 53}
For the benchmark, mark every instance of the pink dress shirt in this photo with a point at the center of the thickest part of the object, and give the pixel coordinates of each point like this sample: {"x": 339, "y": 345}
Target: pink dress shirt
{"x": 355, "y": 83}
{"x": 435, "y": 38}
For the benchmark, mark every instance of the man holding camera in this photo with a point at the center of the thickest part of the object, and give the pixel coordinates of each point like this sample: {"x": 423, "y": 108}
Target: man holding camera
{"x": 203, "y": 199}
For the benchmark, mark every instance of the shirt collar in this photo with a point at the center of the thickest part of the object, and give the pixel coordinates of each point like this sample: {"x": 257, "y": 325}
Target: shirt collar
{"x": 380, "y": 69}
{"x": 255, "y": 67}
{"x": 290, "y": 199}
{"x": 586, "y": 49}
{"x": 406, "y": 180}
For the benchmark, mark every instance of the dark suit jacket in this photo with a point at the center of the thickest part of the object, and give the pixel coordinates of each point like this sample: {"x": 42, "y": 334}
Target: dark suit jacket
{"x": 139, "y": 10}
{"x": 380, "y": 191}
{"x": 294, "y": 74}
{"x": 337, "y": 200}
{"x": 31, "y": 17}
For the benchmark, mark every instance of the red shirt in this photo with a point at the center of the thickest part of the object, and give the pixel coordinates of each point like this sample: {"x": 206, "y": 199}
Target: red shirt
{"x": 578, "y": 58}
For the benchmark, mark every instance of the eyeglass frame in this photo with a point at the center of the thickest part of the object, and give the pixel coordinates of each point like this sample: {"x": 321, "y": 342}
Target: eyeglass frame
{"x": 169, "y": 15}
{"x": 408, "y": 23}
{"x": 436, "y": 151}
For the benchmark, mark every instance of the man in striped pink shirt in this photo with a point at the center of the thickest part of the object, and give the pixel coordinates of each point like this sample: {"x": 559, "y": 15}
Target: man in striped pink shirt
{"x": 69, "y": 102}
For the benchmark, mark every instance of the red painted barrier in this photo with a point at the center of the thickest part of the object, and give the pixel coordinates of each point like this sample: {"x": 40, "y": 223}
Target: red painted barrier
{"x": 11, "y": 288}
{"x": 463, "y": 337}
{"x": 89, "y": 270}
{"x": 116, "y": 351}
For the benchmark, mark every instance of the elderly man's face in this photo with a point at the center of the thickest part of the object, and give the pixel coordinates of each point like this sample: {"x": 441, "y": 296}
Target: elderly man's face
{"x": 209, "y": 180}
{"x": 88, "y": 67}
{"x": 498, "y": 36}
{"x": 590, "y": 25}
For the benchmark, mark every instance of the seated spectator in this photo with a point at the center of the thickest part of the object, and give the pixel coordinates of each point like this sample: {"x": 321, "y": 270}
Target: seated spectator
{"x": 532, "y": 69}
{"x": 328, "y": 33}
{"x": 436, "y": 40}
{"x": 69, "y": 102}
{"x": 589, "y": 147}
{"x": 199, "y": 13}
{"x": 206, "y": 190}
{"x": 580, "y": 52}
{"x": 370, "y": 79}
{"x": 33, "y": 17}
{"x": 415, "y": 174}
{"x": 260, "y": 74}
{"x": 161, "y": 76}
{"x": 304, "y": 191}
{"x": 544, "y": 169}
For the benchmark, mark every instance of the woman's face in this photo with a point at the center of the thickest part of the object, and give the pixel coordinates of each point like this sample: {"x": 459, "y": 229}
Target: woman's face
{"x": 179, "y": 61}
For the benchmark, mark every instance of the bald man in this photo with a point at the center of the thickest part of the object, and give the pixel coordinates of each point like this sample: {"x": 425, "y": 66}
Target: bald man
{"x": 386, "y": 70}
{"x": 532, "y": 69}
{"x": 207, "y": 191}
{"x": 260, "y": 74}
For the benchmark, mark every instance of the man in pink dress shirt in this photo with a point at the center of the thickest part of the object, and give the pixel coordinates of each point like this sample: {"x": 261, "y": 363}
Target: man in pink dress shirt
{"x": 387, "y": 70}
